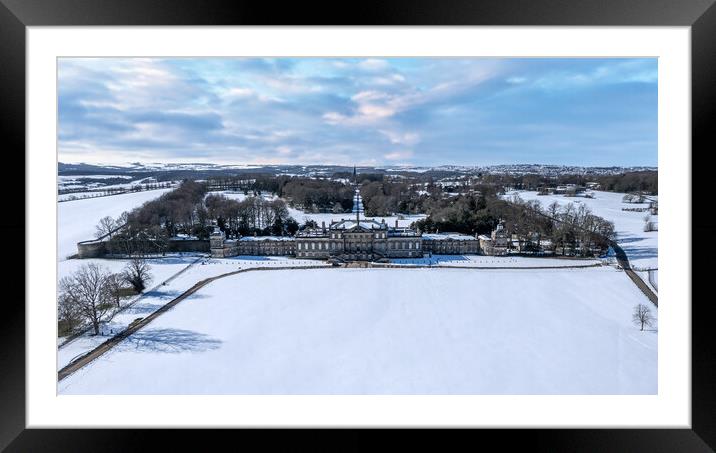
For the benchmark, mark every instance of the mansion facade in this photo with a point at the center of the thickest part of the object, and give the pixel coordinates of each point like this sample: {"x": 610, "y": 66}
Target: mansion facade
{"x": 355, "y": 239}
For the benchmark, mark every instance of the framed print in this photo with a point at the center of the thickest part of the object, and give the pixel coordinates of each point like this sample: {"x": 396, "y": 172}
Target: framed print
{"x": 443, "y": 217}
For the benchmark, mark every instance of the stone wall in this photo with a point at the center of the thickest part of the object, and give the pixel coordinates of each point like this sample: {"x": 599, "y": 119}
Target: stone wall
{"x": 98, "y": 249}
{"x": 189, "y": 245}
{"x": 452, "y": 247}
{"x": 91, "y": 249}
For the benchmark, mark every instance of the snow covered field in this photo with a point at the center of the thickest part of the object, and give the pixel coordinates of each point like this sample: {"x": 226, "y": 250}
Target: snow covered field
{"x": 151, "y": 300}
{"x": 389, "y": 331}
{"x": 640, "y": 247}
{"x": 76, "y": 220}
{"x": 301, "y": 216}
{"x": 494, "y": 261}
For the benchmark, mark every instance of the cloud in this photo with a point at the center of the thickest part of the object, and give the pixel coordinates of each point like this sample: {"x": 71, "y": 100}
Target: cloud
{"x": 373, "y": 64}
{"x": 284, "y": 150}
{"x": 612, "y": 72}
{"x": 399, "y": 155}
{"x": 516, "y": 80}
{"x": 238, "y": 92}
{"x": 398, "y": 138}
{"x": 368, "y": 96}
{"x": 356, "y": 110}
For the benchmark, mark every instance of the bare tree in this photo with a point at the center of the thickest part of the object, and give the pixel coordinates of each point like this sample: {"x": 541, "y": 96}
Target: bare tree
{"x": 105, "y": 226}
{"x": 642, "y": 316}
{"x": 87, "y": 288}
{"x": 68, "y": 309}
{"x": 114, "y": 288}
{"x": 136, "y": 273}
{"x": 122, "y": 219}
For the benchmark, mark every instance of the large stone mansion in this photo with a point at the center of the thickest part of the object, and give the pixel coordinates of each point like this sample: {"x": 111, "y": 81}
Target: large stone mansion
{"x": 351, "y": 239}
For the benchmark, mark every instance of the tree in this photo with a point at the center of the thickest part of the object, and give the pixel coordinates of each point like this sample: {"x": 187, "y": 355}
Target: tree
{"x": 68, "y": 311}
{"x": 105, "y": 227}
{"x": 136, "y": 273}
{"x": 114, "y": 288}
{"x": 122, "y": 219}
{"x": 642, "y": 316}
{"x": 87, "y": 288}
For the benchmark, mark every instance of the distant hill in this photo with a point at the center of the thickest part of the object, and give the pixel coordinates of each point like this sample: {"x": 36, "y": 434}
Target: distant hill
{"x": 202, "y": 170}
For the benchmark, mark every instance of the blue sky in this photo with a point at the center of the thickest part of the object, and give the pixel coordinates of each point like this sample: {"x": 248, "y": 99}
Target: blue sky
{"x": 365, "y": 111}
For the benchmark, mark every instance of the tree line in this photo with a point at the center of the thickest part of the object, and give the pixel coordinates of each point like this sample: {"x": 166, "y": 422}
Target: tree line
{"x": 148, "y": 229}
{"x": 253, "y": 215}
{"x": 569, "y": 229}
{"x": 637, "y": 181}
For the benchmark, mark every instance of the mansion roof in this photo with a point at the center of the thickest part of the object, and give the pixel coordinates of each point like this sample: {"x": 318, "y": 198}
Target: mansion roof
{"x": 448, "y": 237}
{"x": 364, "y": 224}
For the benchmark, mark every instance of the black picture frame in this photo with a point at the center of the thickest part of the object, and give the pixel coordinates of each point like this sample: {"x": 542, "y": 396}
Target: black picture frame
{"x": 700, "y": 15}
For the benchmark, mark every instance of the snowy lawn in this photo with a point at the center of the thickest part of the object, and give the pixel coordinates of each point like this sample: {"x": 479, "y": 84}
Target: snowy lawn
{"x": 390, "y": 331}
{"x": 76, "y": 220}
{"x": 302, "y": 216}
{"x": 640, "y": 247}
{"x": 494, "y": 261}
{"x": 162, "y": 269}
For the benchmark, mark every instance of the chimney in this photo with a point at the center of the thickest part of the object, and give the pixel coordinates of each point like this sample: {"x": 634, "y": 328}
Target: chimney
{"x": 396, "y": 223}
{"x": 323, "y": 226}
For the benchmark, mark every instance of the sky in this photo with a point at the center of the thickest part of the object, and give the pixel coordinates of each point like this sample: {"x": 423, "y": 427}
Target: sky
{"x": 358, "y": 111}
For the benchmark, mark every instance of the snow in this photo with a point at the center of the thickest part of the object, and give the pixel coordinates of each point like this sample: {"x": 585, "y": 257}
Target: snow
{"x": 74, "y": 178}
{"x": 640, "y": 247}
{"x": 495, "y": 261}
{"x": 301, "y": 216}
{"x": 162, "y": 270}
{"x": 644, "y": 275}
{"x": 389, "y": 331}
{"x": 77, "y": 220}
{"x": 444, "y": 236}
{"x": 267, "y": 238}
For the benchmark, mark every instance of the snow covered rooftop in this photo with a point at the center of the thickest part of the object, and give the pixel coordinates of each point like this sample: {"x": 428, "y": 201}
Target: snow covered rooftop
{"x": 184, "y": 237}
{"x": 447, "y": 237}
{"x": 364, "y": 224}
{"x": 266, "y": 238}
{"x": 398, "y": 232}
